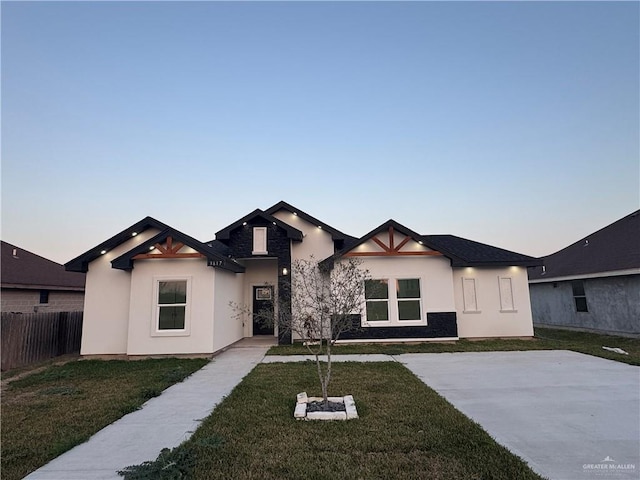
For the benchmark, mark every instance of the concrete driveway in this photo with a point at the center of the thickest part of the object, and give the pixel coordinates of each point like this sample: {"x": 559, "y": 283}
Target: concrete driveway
{"x": 569, "y": 416}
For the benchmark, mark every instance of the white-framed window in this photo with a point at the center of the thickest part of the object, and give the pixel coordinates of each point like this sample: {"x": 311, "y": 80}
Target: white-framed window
{"x": 469, "y": 295}
{"x": 392, "y": 301}
{"x": 259, "y": 241}
{"x": 408, "y": 296}
{"x": 507, "y": 303}
{"x": 172, "y": 298}
{"x": 376, "y": 294}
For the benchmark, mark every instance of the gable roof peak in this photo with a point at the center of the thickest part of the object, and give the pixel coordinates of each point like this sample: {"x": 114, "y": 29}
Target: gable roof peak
{"x": 293, "y": 233}
{"x": 81, "y": 262}
{"x": 336, "y": 234}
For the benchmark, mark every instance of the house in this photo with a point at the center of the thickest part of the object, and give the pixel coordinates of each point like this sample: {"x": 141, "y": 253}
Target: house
{"x": 593, "y": 284}
{"x": 152, "y": 289}
{"x": 31, "y": 283}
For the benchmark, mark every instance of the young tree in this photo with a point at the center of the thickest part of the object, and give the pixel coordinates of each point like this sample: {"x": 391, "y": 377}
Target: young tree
{"x": 320, "y": 304}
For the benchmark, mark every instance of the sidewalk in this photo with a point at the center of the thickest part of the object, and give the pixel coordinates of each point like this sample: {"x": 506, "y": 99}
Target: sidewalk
{"x": 163, "y": 422}
{"x": 369, "y": 357}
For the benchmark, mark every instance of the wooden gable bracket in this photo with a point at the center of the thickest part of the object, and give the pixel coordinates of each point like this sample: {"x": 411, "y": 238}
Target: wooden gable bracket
{"x": 168, "y": 251}
{"x": 391, "y": 249}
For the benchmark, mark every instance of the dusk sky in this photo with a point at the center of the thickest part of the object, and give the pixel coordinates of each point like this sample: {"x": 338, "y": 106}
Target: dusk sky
{"x": 513, "y": 124}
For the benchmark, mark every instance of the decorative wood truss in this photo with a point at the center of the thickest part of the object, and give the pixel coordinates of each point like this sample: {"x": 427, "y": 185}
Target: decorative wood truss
{"x": 169, "y": 250}
{"x": 390, "y": 249}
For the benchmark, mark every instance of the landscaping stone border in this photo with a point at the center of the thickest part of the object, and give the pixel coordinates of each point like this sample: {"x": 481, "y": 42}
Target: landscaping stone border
{"x": 300, "y": 412}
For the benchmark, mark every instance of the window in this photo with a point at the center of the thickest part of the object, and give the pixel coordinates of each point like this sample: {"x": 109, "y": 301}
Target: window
{"x": 393, "y": 305}
{"x": 408, "y": 294}
{"x": 259, "y": 241}
{"x": 579, "y": 296}
{"x": 172, "y": 304}
{"x": 506, "y": 295}
{"x": 44, "y": 296}
{"x": 376, "y": 293}
{"x": 469, "y": 295}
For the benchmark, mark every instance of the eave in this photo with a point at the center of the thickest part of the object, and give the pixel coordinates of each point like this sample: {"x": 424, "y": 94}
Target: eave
{"x": 336, "y": 235}
{"x": 584, "y": 276}
{"x": 81, "y": 262}
{"x": 22, "y": 286}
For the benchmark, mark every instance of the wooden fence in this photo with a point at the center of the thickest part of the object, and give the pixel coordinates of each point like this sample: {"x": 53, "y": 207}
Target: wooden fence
{"x": 32, "y": 337}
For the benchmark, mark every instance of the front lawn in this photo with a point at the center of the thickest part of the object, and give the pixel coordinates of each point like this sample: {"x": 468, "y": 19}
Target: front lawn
{"x": 545, "y": 339}
{"x": 57, "y": 407}
{"x": 405, "y": 430}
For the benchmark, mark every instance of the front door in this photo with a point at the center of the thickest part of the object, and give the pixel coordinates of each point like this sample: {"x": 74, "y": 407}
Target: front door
{"x": 262, "y": 301}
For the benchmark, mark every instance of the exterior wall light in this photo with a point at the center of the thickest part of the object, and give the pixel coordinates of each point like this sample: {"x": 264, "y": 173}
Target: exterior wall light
{"x": 103, "y": 252}
{"x": 244, "y": 224}
{"x": 133, "y": 234}
{"x": 285, "y": 271}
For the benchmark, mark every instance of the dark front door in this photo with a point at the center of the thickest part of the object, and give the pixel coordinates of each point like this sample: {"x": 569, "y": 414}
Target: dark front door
{"x": 262, "y": 302}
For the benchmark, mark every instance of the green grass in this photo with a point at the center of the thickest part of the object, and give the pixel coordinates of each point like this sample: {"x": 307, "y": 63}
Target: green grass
{"x": 405, "y": 430}
{"x": 545, "y": 339}
{"x": 57, "y": 407}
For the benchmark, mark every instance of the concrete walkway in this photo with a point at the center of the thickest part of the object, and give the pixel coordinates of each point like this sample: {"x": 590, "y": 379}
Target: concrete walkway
{"x": 377, "y": 357}
{"x": 569, "y": 416}
{"x": 163, "y": 422}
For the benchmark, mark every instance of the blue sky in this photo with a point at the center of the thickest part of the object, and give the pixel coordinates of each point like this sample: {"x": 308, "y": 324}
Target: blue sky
{"x": 514, "y": 124}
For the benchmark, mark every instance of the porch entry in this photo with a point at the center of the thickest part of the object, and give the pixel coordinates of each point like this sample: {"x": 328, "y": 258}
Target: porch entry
{"x": 262, "y": 299}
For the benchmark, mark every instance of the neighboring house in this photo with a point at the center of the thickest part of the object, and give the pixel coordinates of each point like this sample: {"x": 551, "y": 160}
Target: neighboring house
{"x": 152, "y": 289}
{"x": 593, "y": 284}
{"x": 31, "y": 283}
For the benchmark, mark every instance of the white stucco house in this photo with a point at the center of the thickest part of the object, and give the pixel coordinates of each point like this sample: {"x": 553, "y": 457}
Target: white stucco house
{"x": 152, "y": 289}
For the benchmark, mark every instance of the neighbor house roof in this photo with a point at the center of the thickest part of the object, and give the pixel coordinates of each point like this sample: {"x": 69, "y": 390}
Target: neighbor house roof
{"x": 214, "y": 259}
{"x": 28, "y": 270}
{"x": 81, "y": 262}
{"x": 614, "y": 248}
{"x": 258, "y": 214}
{"x": 460, "y": 251}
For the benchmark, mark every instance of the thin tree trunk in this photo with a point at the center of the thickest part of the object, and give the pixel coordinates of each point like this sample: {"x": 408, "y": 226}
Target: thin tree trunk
{"x": 323, "y": 382}
{"x": 327, "y": 376}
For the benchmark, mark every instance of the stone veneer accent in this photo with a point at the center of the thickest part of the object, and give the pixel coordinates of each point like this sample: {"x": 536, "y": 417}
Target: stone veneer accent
{"x": 439, "y": 325}
{"x": 278, "y": 246}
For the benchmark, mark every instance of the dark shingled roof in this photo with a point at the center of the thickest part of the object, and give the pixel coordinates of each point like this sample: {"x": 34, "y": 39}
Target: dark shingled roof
{"x": 612, "y": 248}
{"x": 28, "y": 270}
{"x": 468, "y": 253}
{"x": 220, "y": 248}
{"x": 460, "y": 251}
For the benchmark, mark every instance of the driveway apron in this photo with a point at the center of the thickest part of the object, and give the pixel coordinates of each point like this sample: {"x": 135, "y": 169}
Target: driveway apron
{"x": 569, "y": 416}
{"x": 163, "y": 422}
